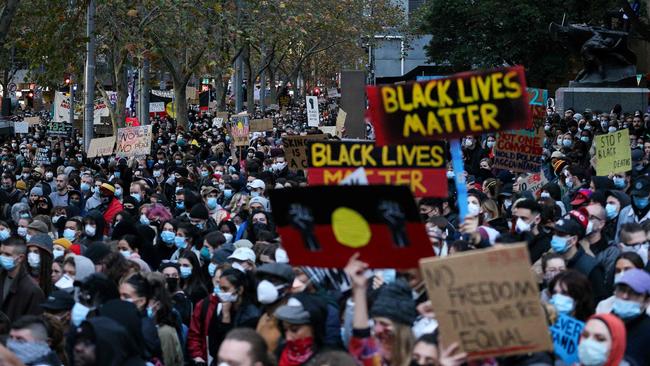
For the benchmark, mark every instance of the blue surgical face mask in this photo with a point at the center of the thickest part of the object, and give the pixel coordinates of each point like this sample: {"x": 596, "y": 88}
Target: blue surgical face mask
{"x": 640, "y": 202}
{"x": 619, "y": 182}
{"x": 150, "y": 312}
{"x": 144, "y": 220}
{"x": 8, "y": 263}
{"x": 126, "y": 253}
{"x": 117, "y": 174}
{"x": 69, "y": 234}
{"x": 569, "y": 182}
{"x": 56, "y": 253}
{"x": 212, "y": 269}
{"x": 584, "y": 138}
{"x": 168, "y": 237}
{"x": 136, "y": 196}
{"x": 227, "y": 193}
{"x": 255, "y": 194}
{"x": 180, "y": 242}
{"x": 567, "y": 143}
{"x": 559, "y": 244}
{"x": 186, "y": 272}
{"x": 180, "y": 205}
{"x": 205, "y": 173}
{"x": 79, "y": 314}
{"x": 626, "y": 309}
{"x": 205, "y": 253}
{"x": 212, "y": 203}
{"x": 4, "y": 234}
{"x": 592, "y": 352}
{"x": 611, "y": 211}
{"x": 118, "y": 192}
{"x": 562, "y": 303}
{"x": 85, "y": 187}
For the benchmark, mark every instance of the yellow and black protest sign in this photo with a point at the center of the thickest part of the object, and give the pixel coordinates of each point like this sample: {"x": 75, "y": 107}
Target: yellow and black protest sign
{"x": 462, "y": 104}
{"x": 613, "y": 154}
{"x": 421, "y": 167}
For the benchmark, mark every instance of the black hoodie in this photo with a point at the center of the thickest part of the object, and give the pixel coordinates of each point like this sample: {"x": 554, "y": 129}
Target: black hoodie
{"x": 114, "y": 346}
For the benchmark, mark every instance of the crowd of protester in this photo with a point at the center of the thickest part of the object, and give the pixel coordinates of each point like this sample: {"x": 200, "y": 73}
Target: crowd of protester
{"x": 173, "y": 258}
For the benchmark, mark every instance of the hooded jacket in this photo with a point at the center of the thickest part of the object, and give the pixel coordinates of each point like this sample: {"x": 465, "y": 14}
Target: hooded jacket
{"x": 619, "y": 342}
{"x": 114, "y": 346}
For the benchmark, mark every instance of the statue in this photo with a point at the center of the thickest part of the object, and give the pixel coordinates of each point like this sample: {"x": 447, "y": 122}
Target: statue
{"x": 607, "y": 60}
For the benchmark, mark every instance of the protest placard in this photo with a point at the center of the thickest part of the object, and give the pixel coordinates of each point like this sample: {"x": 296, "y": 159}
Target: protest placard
{"x": 323, "y": 226}
{"x": 340, "y": 122}
{"x": 312, "y": 111}
{"x": 133, "y": 141}
{"x": 42, "y": 156}
{"x": 58, "y": 128}
{"x": 295, "y": 150}
{"x": 519, "y": 150}
{"x": 566, "y": 335}
{"x": 101, "y": 146}
{"x": 21, "y": 127}
{"x": 239, "y": 129}
{"x": 331, "y": 130}
{"x": 32, "y": 120}
{"x": 487, "y": 300}
{"x": 261, "y": 125}
{"x": 537, "y": 96}
{"x": 156, "y": 107}
{"x": 469, "y": 103}
{"x": 533, "y": 182}
{"x": 420, "y": 167}
{"x": 613, "y": 154}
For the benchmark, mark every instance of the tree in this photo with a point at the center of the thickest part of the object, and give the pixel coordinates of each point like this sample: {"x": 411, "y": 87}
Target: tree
{"x": 470, "y": 34}
{"x": 6, "y": 17}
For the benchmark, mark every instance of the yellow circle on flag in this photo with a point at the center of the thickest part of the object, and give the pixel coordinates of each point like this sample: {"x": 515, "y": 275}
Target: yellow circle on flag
{"x": 169, "y": 108}
{"x": 350, "y": 228}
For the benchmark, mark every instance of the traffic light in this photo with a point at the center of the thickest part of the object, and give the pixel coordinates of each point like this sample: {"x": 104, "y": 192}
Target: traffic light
{"x": 29, "y": 98}
{"x": 66, "y": 79}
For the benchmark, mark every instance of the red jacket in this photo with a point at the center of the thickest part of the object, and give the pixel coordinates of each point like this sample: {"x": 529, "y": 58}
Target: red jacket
{"x": 113, "y": 208}
{"x": 198, "y": 333}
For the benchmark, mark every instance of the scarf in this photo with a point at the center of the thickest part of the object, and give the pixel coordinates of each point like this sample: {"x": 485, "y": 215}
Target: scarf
{"x": 297, "y": 352}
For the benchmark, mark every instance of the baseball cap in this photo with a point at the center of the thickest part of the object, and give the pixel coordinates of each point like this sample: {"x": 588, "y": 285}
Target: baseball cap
{"x": 641, "y": 186}
{"x": 293, "y": 312}
{"x": 569, "y": 225}
{"x": 581, "y": 196}
{"x": 58, "y": 300}
{"x": 637, "y": 279}
{"x": 257, "y": 183}
{"x": 243, "y": 254}
{"x": 281, "y": 270}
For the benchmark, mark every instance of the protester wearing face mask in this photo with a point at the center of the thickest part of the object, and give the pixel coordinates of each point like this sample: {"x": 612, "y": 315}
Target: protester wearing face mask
{"x": 21, "y": 295}
{"x": 527, "y": 216}
{"x": 568, "y": 232}
{"x": 211, "y": 199}
{"x": 571, "y": 295}
{"x": 393, "y": 313}
{"x": 191, "y": 280}
{"x": 243, "y": 258}
{"x": 615, "y": 202}
{"x": 624, "y": 262}
{"x": 211, "y": 242}
{"x": 274, "y": 281}
{"x": 552, "y": 265}
{"x": 473, "y": 153}
{"x": 256, "y": 188}
{"x": 231, "y": 305}
{"x": 638, "y": 210}
{"x": 632, "y": 297}
{"x": 29, "y": 340}
{"x": 181, "y": 303}
{"x": 39, "y": 260}
{"x": 186, "y": 235}
{"x": 110, "y": 205}
{"x": 596, "y": 245}
{"x": 93, "y": 227}
{"x": 602, "y": 342}
{"x": 634, "y": 239}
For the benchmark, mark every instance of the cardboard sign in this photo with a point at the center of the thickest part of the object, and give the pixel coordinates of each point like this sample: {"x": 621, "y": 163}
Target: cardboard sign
{"x": 534, "y": 182}
{"x": 239, "y": 130}
{"x": 32, "y": 121}
{"x": 59, "y": 129}
{"x": 420, "y": 167}
{"x": 469, "y": 103}
{"x": 156, "y": 107}
{"x": 340, "y": 122}
{"x": 21, "y": 127}
{"x": 133, "y": 141}
{"x": 330, "y": 130}
{"x": 488, "y": 301}
{"x": 295, "y": 150}
{"x": 261, "y": 125}
{"x": 537, "y": 96}
{"x": 102, "y": 146}
{"x": 312, "y": 111}
{"x": 613, "y": 154}
{"x": 323, "y": 226}
{"x": 519, "y": 151}
{"x": 566, "y": 335}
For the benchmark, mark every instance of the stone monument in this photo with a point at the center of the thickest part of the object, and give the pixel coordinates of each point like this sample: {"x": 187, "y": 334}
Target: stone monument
{"x": 609, "y": 74}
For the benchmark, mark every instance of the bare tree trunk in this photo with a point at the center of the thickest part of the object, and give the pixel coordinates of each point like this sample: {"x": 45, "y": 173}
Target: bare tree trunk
{"x": 274, "y": 91}
{"x": 6, "y": 17}
{"x": 220, "y": 91}
{"x": 180, "y": 101}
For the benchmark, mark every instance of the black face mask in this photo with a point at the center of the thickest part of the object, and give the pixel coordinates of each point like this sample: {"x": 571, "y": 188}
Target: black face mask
{"x": 172, "y": 284}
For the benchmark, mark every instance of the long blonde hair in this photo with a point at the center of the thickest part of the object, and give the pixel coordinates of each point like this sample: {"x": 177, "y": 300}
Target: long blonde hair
{"x": 403, "y": 342}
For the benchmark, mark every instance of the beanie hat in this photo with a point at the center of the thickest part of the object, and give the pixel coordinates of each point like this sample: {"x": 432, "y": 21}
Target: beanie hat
{"x": 42, "y": 241}
{"x": 65, "y": 243}
{"x": 97, "y": 251}
{"x": 39, "y": 226}
{"x": 36, "y": 191}
{"x": 396, "y": 303}
{"x": 558, "y": 166}
{"x": 199, "y": 212}
{"x": 21, "y": 185}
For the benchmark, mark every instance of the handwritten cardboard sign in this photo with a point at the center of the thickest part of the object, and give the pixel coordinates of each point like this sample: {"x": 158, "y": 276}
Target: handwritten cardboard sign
{"x": 340, "y": 122}
{"x": 295, "y": 150}
{"x": 101, "y": 146}
{"x": 21, "y": 127}
{"x": 42, "y": 156}
{"x": 519, "y": 150}
{"x": 469, "y": 103}
{"x": 261, "y": 125}
{"x": 566, "y": 335}
{"x": 421, "y": 167}
{"x": 613, "y": 154}
{"x": 323, "y": 226}
{"x": 239, "y": 129}
{"x": 133, "y": 141}
{"x": 487, "y": 300}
